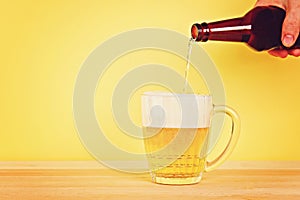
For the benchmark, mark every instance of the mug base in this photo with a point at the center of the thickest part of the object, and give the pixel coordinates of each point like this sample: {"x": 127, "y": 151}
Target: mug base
{"x": 176, "y": 180}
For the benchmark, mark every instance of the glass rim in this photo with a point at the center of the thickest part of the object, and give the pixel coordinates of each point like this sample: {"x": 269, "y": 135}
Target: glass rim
{"x": 172, "y": 94}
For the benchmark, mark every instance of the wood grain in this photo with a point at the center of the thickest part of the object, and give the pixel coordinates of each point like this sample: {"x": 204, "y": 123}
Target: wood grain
{"x": 102, "y": 183}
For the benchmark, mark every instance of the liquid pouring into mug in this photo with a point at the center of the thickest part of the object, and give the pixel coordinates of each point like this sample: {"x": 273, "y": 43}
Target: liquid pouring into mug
{"x": 187, "y": 68}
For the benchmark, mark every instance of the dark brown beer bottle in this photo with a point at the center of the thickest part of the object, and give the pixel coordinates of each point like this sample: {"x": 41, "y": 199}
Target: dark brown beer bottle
{"x": 260, "y": 28}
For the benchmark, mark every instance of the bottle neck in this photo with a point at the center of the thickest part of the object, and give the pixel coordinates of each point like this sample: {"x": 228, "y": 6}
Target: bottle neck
{"x": 233, "y": 30}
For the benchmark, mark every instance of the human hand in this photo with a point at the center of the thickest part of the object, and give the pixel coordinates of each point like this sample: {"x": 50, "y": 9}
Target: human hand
{"x": 290, "y": 26}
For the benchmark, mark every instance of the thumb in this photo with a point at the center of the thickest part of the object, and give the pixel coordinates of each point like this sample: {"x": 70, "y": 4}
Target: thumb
{"x": 290, "y": 27}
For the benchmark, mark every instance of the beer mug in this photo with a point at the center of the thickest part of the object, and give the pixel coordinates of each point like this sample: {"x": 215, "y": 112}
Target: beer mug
{"x": 176, "y": 133}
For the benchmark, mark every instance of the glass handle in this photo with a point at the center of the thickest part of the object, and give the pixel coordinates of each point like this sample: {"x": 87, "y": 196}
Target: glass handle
{"x": 234, "y": 135}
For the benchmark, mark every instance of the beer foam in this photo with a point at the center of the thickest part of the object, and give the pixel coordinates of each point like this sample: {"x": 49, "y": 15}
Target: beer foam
{"x": 170, "y": 110}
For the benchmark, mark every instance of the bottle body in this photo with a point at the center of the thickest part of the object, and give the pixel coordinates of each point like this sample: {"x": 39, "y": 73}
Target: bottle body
{"x": 260, "y": 28}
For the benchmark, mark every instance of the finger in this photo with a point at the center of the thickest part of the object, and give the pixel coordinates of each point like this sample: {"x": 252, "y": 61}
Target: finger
{"x": 294, "y": 52}
{"x": 291, "y": 25}
{"x": 282, "y": 53}
{"x": 279, "y": 3}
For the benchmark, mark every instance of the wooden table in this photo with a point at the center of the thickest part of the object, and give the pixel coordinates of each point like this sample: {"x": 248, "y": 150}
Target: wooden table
{"x": 79, "y": 181}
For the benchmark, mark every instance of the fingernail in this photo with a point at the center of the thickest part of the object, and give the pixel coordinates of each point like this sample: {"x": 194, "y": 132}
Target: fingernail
{"x": 288, "y": 40}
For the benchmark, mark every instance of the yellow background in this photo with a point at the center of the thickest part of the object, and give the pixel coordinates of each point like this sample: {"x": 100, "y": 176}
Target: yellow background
{"x": 44, "y": 43}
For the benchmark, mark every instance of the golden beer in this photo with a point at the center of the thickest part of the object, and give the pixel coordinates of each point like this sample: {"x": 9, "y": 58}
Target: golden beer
{"x": 176, "y": 165}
